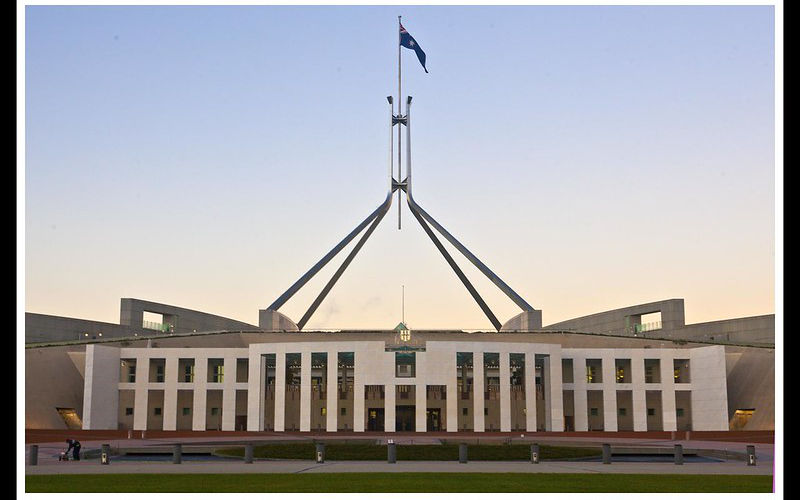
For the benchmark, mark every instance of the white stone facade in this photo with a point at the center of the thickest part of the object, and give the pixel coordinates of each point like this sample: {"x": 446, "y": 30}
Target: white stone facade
{"x": 689, "y": 393}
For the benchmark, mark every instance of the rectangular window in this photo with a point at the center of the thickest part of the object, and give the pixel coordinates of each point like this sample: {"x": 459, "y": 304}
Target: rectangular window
{"x": 186, "y": 370}
{"x": 623, "y": 412}
{"x": 215, "y": 411}
{"x": 323, "y": 411}
{"x": 344, "y": 411}
{"x": 128, "y": 411}
{"x": 486, "y": 411}
{"x": 651, "y": 412}
{"x": 465, "y": 411}
{"x": 679, "y": 412}
{"x": 623, "y": 371}
{"x": 681, "y": 371}
{"x": 242, "y": 370}
{"x": 186, "y": 411}
{"x": 594, "y": 371}
{"x": 567, "y": 373}
{"x": 652, "y": 371}
{"x": 127, "y": 370}
{"x": 156, "y": 411}
{"x": 405, "y": 364}
{"x": 216, "y": 370}
{"x": 593, "y": 412}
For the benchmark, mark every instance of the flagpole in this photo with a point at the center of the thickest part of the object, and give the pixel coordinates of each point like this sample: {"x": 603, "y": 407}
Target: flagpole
{"x": 399, "y": 114}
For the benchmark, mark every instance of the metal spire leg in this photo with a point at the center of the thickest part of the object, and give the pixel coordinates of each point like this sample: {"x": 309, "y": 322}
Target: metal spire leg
{"x": 383, "y": 210}
{"x": 475, "y": 295}
{"x": 319, "y": 265}
{"x": 475, "y": 261}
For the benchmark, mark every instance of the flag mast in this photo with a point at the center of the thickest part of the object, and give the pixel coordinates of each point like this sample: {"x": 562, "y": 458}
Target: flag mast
{"x": 399, "y": 115}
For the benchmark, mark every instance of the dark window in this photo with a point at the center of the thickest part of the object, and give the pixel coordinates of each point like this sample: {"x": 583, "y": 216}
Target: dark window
{"x": 187, "y": 411}
{"x": 593, "y": 411}
{"x": 344, "y": 411}
{"x": 215, "y": 411}
{"x": 156, "y": 411}
{"x": 651, "y": 412}
{"x": 486, "y": 411}
{"x": 623, "y": 412}
{"x": 128, "y": 411}
{"x": 679, "y": 412}
{"x": 465, "y": 411}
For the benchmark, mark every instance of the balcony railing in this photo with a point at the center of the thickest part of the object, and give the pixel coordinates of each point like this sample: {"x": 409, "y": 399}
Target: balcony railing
{"x": 161, "y": 327}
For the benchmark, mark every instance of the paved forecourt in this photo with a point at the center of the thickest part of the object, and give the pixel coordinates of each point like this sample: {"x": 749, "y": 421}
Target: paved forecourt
{"x": 309, "y": 466}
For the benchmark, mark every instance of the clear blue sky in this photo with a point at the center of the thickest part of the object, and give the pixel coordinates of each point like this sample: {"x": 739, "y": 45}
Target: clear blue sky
{"x": 593, "y": 157}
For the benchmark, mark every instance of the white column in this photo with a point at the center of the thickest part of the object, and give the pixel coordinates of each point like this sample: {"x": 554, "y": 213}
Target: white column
{"x": 390, "y": 394}
{"x": 332, "y": 405}
{"x": 280, "y": 391}
{"x": 305, "y": 391}
{"x": 530, "y": 391}
{"x": 548, "y": 393}
{"x": 421, "y": 390}
{"x": 505, "y": 393}
{"x": 609, "y": 391}
{"x": 359, "y": 362}
{"x": 638, "y": 392}
{"x": 229, "y": 394}
{"x": 199, "y": 394}
{"x": 555, "y": 401}
{"x": 170, "y": 410}
{"x": 140, "y": 396}
{"x": 479, "y": 422}
{"x": 580, "y": 388}
{"x": 668, "y": 416}
{"x": 256, "y": 377}
{"x": 452, "y": 398}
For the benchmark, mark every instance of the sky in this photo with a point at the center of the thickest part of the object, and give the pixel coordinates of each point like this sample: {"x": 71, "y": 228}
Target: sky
{"x": 593, "y": 157}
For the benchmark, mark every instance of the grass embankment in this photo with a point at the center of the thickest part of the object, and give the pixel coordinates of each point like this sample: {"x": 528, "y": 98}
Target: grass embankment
{"x": 397, "y": 482}
{"x": 446, "y": 452}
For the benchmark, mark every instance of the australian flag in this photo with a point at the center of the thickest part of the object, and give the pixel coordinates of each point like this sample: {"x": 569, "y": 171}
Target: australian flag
{"x": 408, "y": 42}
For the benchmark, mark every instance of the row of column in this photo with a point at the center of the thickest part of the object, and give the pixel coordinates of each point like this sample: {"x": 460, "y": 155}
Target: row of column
{"x": 200, "y": 388}
{"x": 609, "y": 386}
{"x": 553, "y": 414}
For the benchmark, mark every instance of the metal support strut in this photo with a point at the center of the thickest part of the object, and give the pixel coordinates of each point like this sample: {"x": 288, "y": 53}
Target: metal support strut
{"x": 424, "y": 219}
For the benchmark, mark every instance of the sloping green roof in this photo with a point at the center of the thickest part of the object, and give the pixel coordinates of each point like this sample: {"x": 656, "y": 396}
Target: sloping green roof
{"x": 401, "y": 326}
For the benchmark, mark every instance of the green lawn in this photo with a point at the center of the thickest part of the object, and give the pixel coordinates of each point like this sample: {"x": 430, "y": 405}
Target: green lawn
{"x": 397, "y": 482}
{"x": 448, "y": 452}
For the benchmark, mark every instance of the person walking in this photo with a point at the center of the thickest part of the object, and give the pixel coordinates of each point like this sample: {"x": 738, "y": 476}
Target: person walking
{"x": 75, "y": 446}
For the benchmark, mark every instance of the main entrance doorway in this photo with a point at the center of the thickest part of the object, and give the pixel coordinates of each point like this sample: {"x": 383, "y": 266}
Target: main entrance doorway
{"x": 405, "y": 417}
{"x": 375, "y": 418}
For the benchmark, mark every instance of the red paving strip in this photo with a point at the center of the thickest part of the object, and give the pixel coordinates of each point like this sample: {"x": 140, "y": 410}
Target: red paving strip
{"x": 55, "y": 435}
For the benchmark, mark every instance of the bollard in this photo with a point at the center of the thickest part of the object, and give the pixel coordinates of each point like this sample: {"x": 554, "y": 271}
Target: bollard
{"x": 105, "y": 454}
{"x": 688, "y": 435}
{"x": 320, "y": 453}
{"x": 391, "y": 452}
{"x": 462, "y": 453}
{"x": 534, "y": 453}
{"x": 678, "y": 454}
{"x": 176, "y": 453}
{"x": 672, "y": 435}
{"x": 130, "y": 434}
{"x": 606, "y": 453}
{"x": 142, "y": 434}
{"x": 248, "y": 453}
{"x": 751, "y": 454}
{"x": 33, "y": 455}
